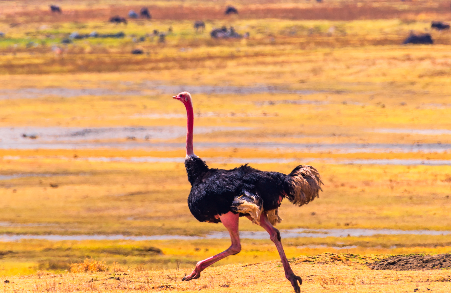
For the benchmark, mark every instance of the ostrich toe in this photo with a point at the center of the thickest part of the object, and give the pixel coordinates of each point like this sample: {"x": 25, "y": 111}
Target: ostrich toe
{"x": 194, "y": 275}
{"x": 294, "y": 282}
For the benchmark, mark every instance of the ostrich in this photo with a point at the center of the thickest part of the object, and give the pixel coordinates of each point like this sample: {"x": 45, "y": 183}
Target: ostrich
{"x": 225, "y": 195}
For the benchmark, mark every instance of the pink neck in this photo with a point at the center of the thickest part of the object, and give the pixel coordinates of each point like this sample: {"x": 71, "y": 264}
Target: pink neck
{"x": 190, "y": 124}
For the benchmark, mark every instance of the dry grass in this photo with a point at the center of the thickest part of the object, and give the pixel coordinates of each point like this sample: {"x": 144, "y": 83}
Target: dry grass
{"x": 88, "y": 266}
{"x": 157, "y": 255}
{"x": 332, "y": 275}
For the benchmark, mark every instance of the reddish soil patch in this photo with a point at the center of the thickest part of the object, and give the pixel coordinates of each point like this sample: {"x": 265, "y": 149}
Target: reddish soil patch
{"x": 413, "y": 262}
{"x": 345, "y": 12}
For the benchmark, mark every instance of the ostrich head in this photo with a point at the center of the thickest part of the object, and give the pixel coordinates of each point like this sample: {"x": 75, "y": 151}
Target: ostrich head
{"x": 183, "y": 97}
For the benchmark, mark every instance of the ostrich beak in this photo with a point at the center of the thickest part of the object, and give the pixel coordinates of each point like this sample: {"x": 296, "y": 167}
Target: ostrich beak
{"x": 174, "y": 97}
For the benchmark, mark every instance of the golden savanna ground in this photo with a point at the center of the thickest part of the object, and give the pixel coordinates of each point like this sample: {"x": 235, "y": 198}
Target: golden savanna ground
{"x": 336, "y": 274}
{"x": 328, "y": 84}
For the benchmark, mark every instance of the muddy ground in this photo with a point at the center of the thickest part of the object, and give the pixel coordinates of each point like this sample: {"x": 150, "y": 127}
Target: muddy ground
{"x": 413, "y": 262}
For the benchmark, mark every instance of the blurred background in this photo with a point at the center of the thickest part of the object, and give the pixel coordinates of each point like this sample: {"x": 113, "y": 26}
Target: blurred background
{"x": 92, "y": 144}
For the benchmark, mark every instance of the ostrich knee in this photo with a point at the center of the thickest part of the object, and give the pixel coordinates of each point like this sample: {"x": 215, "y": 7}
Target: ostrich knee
{"x": 235, "y": 249}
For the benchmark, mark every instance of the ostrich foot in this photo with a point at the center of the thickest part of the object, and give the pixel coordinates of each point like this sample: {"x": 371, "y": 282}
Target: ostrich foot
{"x": 230, "y": 221}
{"x": 194, "y": 275}
{"x": 294, "y": 282}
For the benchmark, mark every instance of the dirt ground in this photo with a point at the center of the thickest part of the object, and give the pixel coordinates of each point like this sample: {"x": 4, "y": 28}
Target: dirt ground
{"x": 413, "y": 262}
{"x": 321, "y": 273}
{"x": 39, "y": 14}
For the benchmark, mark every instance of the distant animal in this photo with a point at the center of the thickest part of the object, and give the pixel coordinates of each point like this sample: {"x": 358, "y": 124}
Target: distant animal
{"x": 226, "y": 195}
{"x": 199, "y": 25}
{"x": 170, "y": 30}
{"x": 75, "y": 35}
{"x": 224, "y": 33}
{"x": 118, "y": 35}
{"x": 145, "y": 13}
{"x": 54, "y": 8}
{"x": 155, "y": 32}
{"x": 438, "y": 25}
{"x": 137, "y": 51}
{"x": 117, "y": 20}
{"x": 419, "y": 39}
{"x": 2, "y": 34}
{"x": 93, "y": 34}
{"x": 233, "y": 33}
{"x": 132, "y": 14}
{"x": 162, "y": 38}
{"x": 219, "y": 33}
{"x": 231, "y": 10}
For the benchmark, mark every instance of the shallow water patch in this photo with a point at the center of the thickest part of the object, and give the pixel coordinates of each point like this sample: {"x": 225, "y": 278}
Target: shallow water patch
{"x": 232, "y": 160}
{"x": 34, "y": 93}
{"x": 204, "y": 115}
{"x": 12, "y": 176}
{"x": 293, "y": 233}
{"x": 414, "y": 131}
{"x": 342, "y": 148}
{"x": 223, "y": 89}
{"x": 400, "y": 162}
{"x": 290, "y": 102}
{"x": 435, "y": 106}
{"x": 94, "y": 137}
{"x": 146, "y": 137}
{"x": 143, "y": 88}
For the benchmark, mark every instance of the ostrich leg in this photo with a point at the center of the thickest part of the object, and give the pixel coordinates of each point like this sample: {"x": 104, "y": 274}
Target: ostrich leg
{"x": 274, "y": 235}
{"x": 230, "y": 221}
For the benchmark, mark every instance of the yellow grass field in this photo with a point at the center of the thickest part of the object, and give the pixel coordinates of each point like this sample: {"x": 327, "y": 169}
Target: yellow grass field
{"x": 92, "y": 143}
{"x": 334, "y": 275}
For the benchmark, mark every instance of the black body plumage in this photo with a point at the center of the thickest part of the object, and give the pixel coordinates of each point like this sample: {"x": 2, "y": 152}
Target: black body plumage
{"x": 214, "y": 190}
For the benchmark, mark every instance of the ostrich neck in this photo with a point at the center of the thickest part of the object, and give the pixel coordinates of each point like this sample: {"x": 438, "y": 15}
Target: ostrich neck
{"x": 189, "y": 126}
